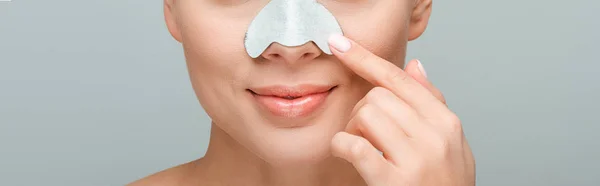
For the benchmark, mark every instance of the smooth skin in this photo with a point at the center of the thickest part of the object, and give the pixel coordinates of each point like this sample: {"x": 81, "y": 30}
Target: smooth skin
{"x": 376, "y": 107}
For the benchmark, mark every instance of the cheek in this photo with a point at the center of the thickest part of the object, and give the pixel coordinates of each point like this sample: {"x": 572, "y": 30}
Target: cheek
{"x": 216, "y": 59}
{"x": 214, "y": 30}
{"x": 213, "y": 46}
{"x": 379, "y": 25}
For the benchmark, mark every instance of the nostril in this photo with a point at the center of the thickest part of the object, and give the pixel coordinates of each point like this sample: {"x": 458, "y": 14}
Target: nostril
{"x": 307, "y": 55}
{"x": 275, "y": 56}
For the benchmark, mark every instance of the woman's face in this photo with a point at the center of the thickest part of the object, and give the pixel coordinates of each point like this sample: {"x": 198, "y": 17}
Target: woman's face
{"x": 224, "y": 77}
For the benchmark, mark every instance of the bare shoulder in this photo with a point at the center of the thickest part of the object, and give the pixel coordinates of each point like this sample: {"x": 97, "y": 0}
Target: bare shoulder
{"x": 169, "y": 177}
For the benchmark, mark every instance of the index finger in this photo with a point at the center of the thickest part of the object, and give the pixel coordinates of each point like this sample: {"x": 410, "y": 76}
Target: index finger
{"x": 381, "y": 72}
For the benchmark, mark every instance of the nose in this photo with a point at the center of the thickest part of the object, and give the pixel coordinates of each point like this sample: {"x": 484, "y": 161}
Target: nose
{"x": 278, "y": 52}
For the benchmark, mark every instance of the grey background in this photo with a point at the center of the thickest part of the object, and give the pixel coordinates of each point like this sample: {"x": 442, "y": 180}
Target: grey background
{"x": 96, "y": 92}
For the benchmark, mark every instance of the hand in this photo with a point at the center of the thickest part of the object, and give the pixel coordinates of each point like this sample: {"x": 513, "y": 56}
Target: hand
{"x": 406, "y": 118}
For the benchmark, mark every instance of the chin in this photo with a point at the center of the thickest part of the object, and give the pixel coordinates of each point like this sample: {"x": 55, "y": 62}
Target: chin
{"x": 299, "y": 146}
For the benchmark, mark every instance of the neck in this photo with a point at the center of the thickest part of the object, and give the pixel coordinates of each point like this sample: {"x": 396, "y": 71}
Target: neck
{"x": 229, "y": 163}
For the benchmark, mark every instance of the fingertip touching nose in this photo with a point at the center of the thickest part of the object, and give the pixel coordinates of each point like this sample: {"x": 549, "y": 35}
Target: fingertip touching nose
{"x": 291, "y": 30}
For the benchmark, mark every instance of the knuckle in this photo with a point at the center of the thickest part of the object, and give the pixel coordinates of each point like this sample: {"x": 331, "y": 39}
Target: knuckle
{"x": 376, "y": 94}
{"x": 357, "y": 107}
{"x": 371, "y": 96}
{"x": 365, "y": 112}
{"x": 363, "y": 116}
{"x": 359, "y": 149}
{"x": 442, "y": 150}
{"x": 453, "y": 123}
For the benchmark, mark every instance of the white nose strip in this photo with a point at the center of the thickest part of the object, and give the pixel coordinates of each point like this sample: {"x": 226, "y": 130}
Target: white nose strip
{"x": 291, "y": 23}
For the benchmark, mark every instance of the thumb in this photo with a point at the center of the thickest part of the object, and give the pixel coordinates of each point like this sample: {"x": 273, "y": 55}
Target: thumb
{"x": 415, "y": 69}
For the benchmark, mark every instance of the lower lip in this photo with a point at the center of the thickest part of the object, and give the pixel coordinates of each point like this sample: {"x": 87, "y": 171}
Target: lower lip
{"x": 294, "y": 108}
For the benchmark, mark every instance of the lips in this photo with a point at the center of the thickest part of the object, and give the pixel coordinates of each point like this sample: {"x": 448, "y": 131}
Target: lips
{"x": 294, "y": 92}
{"x": 291, "y": 101}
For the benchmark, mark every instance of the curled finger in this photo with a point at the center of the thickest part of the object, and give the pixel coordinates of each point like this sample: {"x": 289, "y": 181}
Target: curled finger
{"x": 371, "y": 165}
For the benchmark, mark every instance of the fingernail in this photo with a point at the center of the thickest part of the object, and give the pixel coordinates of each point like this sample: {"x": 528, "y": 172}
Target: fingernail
{"x": 421, "y": 68}
{"x": 339, "y": 42}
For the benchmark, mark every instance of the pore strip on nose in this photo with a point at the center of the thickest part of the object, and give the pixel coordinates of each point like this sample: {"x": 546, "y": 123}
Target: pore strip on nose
{"x": 290, "y": 23}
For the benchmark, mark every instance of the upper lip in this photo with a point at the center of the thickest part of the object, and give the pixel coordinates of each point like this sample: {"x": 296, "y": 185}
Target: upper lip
{"x": 291, "y": 91}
